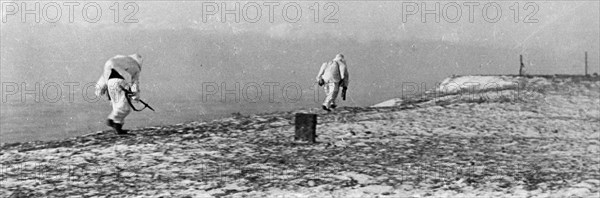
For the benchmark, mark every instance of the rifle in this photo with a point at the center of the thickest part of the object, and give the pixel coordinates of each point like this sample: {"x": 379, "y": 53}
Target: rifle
{"x": 344, "y": 89}
{"x": 128, "y": 93}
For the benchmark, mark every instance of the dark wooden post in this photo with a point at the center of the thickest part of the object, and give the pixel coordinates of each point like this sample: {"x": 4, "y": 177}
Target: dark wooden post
{"x": 306, "y": 127}
{"x": 586, "y": 65}
{"x": 522, "y": 66}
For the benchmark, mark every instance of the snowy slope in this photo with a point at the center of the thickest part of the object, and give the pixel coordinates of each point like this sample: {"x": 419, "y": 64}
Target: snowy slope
{"x": 545, "y": 146}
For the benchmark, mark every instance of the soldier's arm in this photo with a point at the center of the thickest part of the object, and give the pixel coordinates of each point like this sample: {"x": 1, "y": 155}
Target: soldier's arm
{"x": 321, "y": 71}
{"x": 135, "y": 86}
{"x": 344, "y": 74}
{"x": 126, "y": 76}
{"x": 101, "y": 85}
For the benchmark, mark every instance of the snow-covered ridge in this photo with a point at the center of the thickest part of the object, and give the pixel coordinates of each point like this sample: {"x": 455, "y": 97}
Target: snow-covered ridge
{"x": 453, "y": 85}
{"x": 489, "y": 88}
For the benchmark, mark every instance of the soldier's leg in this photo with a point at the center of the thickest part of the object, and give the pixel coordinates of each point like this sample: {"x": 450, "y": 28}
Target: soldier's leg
{"x": 326, "y": 89}
{"x": 119, "y": 104}
{"x": 334, "y": 93}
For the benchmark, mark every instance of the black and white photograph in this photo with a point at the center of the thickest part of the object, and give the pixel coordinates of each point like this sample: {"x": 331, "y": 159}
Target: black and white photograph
{"x": 299, "y": 99}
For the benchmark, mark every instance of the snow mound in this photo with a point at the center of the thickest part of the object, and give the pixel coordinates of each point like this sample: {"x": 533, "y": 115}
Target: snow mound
{"x": 454, "y": 85}
{"x": 389, "y": 103}
{"x": 489, "y": 88}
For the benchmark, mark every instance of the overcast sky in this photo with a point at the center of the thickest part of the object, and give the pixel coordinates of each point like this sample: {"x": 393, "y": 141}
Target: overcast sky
{"x": 549, "y": 21}
{"x": 552, "y": 33}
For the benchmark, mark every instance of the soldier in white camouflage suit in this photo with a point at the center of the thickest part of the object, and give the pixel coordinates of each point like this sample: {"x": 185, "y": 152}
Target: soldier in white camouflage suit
{"x": 120, "y": 72}
{"x": 333, "y": 75}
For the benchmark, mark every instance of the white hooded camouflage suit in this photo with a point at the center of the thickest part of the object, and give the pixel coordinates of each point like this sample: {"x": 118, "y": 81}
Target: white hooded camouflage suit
{"x": 129, "y": 67}
{"x": 335, "y": 75}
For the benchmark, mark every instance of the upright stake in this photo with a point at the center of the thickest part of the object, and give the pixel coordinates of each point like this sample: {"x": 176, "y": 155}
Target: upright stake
{"x": 522, "y": 65}
{"x": 586, "y": 65}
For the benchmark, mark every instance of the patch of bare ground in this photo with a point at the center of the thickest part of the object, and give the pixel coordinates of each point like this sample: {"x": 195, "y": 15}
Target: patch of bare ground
{"x": 546, "y": 144}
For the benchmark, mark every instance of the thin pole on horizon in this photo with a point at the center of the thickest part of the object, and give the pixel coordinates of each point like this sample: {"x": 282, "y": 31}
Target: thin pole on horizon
{"x": 522, "y": 65}
{"x": 586, "y": 63}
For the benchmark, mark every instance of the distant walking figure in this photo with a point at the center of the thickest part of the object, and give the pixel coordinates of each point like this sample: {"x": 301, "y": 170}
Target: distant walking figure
{"x": 333, "y": 75}
{"x": 120, "y": 72}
